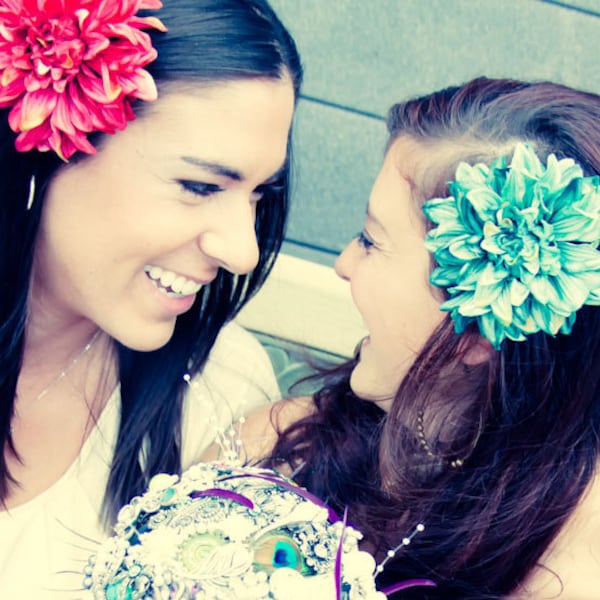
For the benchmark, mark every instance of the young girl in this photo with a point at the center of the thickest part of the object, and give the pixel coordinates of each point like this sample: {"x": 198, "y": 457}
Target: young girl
{"x": 473, "y": 406}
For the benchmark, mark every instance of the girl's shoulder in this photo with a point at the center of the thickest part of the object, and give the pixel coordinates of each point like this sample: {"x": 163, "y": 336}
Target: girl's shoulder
{"x": 258, "y": 431}
{"x": 570, "y": 568}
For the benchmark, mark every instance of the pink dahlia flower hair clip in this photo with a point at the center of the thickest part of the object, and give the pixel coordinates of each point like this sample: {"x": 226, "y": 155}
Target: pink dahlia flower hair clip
{"x": 72, "y": 67}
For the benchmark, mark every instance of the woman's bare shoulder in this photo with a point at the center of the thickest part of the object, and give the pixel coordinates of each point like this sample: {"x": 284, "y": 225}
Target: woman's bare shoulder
{"x": 256, "y": 433}
{"x": 570, "y": 568}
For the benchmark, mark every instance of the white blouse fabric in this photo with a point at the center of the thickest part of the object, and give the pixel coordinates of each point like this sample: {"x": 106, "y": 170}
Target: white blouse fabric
{"x": 46, "y": 542}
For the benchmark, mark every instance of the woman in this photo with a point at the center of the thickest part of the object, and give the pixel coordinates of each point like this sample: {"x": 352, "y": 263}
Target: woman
{"x": 124, "y": 255}
{"x": 473, "y": 406}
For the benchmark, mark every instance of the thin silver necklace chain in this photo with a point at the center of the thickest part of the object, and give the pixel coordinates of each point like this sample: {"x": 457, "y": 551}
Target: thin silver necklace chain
{"x": 88, "y": 346}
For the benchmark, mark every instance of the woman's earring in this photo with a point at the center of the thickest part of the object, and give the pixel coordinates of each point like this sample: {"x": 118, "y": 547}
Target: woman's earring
{"x": 31, "y": 196}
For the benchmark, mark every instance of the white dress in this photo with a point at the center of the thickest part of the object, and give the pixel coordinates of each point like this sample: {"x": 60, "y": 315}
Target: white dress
{"x": 45, "y": 543}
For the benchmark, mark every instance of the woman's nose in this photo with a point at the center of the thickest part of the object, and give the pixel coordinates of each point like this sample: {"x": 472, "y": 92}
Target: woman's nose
{"x": 232, "y": 243}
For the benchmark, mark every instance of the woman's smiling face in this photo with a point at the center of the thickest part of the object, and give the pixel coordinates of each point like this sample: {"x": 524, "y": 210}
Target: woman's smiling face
{"x": 129, "y": 235}
{"x": 388, "y": 269}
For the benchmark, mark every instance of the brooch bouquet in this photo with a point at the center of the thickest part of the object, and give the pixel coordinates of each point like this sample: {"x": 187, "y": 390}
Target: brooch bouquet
{"x": 229, "y": 532}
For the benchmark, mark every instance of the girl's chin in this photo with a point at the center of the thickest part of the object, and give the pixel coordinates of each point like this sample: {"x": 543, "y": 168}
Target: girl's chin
{"x": 367, "y": 386}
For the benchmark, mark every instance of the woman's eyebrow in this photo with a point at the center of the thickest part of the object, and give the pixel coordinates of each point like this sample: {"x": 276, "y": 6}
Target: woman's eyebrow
{"x": 277, "y": 175}
{"x": 229, "y": 172}
{"x": 214, "y": 167}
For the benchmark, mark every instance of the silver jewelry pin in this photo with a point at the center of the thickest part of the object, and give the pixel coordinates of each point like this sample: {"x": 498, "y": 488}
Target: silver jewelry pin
{"x": 31, "y": 192}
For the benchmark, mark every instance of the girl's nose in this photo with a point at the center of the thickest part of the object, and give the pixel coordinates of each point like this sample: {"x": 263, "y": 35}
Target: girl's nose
{"x": 344, "y": 262}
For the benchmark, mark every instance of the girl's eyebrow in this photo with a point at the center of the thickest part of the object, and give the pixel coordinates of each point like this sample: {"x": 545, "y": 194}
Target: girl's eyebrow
{"x": 371, "y": 217}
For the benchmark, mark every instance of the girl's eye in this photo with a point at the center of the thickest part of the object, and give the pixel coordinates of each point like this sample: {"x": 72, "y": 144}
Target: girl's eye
{"x": 199, "y": 188}
{"x": 364, "y": 240}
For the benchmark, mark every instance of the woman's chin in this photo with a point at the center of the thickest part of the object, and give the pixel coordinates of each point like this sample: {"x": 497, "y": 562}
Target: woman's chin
{"x": 147, "y": 340}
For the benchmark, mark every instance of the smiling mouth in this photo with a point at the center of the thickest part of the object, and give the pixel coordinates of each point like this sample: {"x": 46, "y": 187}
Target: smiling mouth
{"x": 171, "y": 283}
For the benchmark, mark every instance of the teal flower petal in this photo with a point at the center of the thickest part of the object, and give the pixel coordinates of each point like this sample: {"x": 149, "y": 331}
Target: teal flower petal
{"x": 523, "y": 318}
{"x": 526, "y": 161}
{"x": 502, "y": 307}
{"x": 485, "y": 202}
{"x": 591, "y": 279}
{"x": 470, "y": 176}
{"x": 443, "y": 235}
{"x": 594, "y": 298}
{"x": 464, "y": 249}
{"x": 543, "y": 290}
{"x": 460, "y": 323}
{"x": 439, "y": 210}
{"x": 486, "y": 295}
{"x": 579, "y": 257}
{"x": 489, "y": 328}
{"x": 492, "y": 274}
{"x": 572, "y": 227}
{"x": 541, "y": 316}
{"x": 572, "y": 292}
{"x": 518, "y": 292}
{"x": 567, "y": 325}
{"x": 470, "y": 307}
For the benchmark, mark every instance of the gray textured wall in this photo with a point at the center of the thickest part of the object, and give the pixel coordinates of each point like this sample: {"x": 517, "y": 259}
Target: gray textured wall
{"x": 361, "y": 56}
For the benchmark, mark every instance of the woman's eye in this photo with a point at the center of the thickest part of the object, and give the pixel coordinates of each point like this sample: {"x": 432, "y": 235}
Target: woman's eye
{"x": 258, "y": 194}
{"x": 275, "y": 187}
{"x": 199, "y": 188}
{"x": 364, "y": 241}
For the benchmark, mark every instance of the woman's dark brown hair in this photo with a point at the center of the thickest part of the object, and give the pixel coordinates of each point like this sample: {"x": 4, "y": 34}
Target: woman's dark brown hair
{"x": 207, "y": 42}
{"x": 526, "y": 422}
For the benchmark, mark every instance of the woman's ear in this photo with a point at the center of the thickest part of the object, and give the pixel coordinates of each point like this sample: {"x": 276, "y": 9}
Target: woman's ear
{"x": 476, "y": 349}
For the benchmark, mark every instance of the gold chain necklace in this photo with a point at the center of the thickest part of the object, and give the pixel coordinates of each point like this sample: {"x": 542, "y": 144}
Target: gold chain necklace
{"x": 88, "y": 346}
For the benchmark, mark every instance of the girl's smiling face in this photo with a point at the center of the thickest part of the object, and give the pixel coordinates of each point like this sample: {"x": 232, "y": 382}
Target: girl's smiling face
{"x": 388, "y": 268}
{"x": 130, "y": 235}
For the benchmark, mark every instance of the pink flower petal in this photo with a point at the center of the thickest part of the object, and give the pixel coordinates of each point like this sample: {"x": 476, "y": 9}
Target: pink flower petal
{"x": 72, "y": 143}
{"x": 62, "y": 116}
{"x": 9, "y": 94}
{"x": 144, "y": 86}
{"x": 149, "y": 22}
{"x": 32, "y": 110}
{"x": 111, "y": 86}
{"x": 14, "y": 6}
{"x": 36, "y": 138}
{"x": 9, "y": 75}
{"x": 96, "y": 43}
{"x": 150, "y": 4}
{"x": 70, "y": 67}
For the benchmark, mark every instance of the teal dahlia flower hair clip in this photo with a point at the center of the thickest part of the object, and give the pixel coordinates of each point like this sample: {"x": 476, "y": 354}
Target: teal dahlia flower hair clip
{"x": 516, "y": 245}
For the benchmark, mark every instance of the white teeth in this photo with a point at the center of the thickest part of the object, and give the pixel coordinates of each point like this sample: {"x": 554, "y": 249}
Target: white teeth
{"x": 190, "y": 287}
{"x": 154, "y": 272}
{"x": 172, "y": 284}
{"x": 177, "y": 285}
{"x": 167, "y": 278}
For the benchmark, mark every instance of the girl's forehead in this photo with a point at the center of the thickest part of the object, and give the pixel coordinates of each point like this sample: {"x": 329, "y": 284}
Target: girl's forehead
{"x": 426, "y": 164}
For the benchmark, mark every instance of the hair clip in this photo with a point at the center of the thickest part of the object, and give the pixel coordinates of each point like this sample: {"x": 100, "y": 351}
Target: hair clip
{"x": 516, "y": 245}
{"x": 70, "y": 68}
